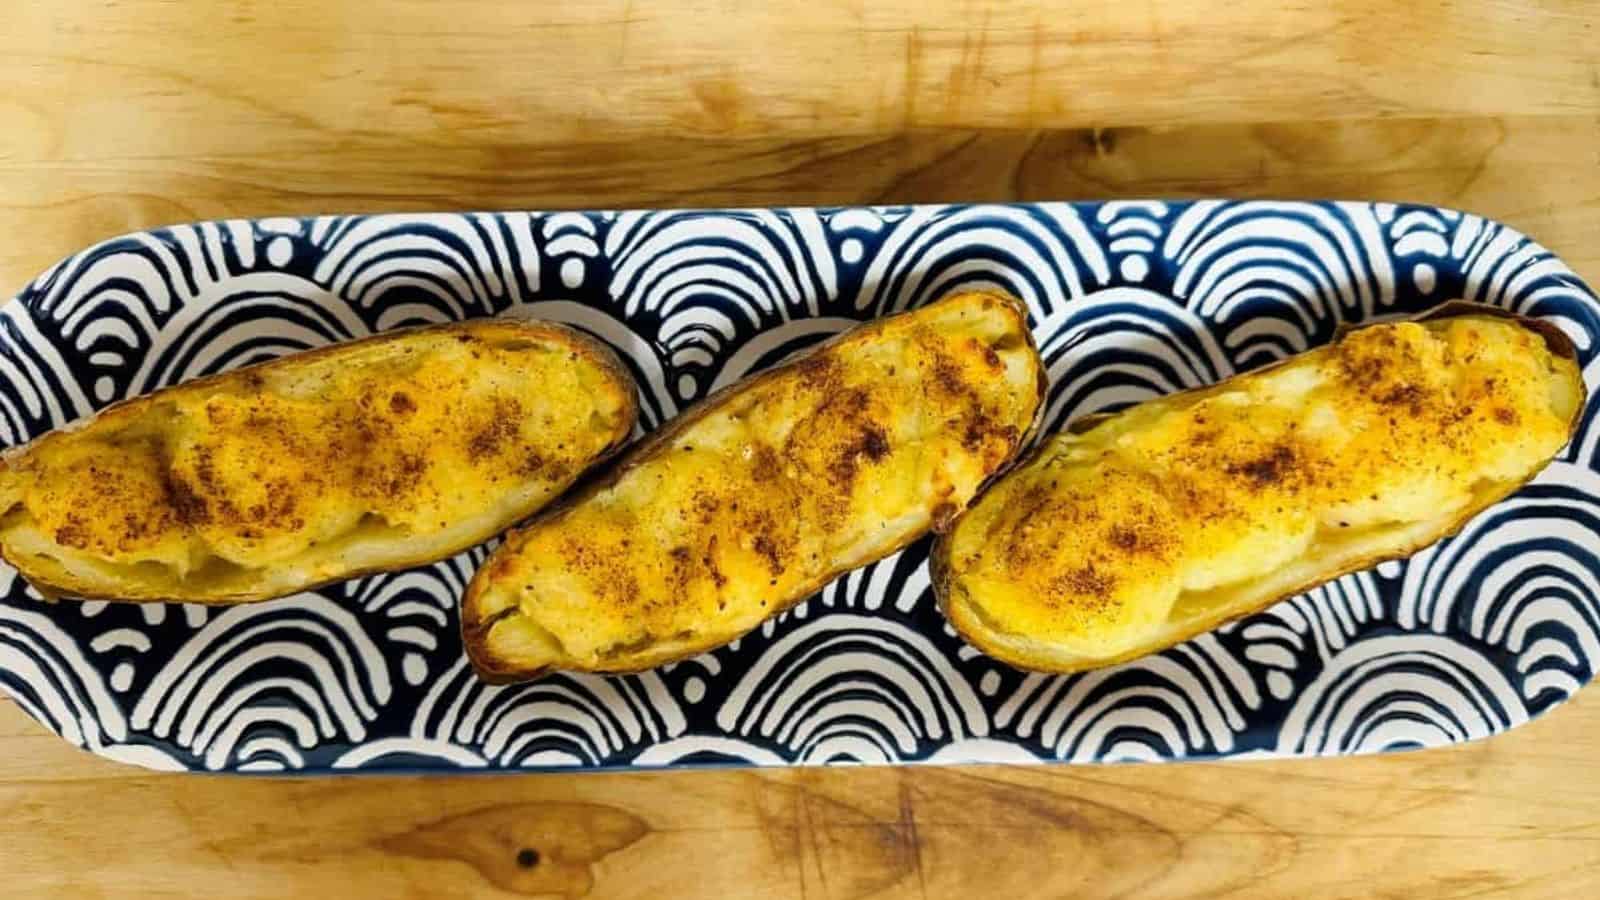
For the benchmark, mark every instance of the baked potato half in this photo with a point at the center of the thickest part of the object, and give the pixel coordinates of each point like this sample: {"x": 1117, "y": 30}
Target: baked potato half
{"x": 1130, "y": 532}
{"x": 377, "y": 454}
{"x": 761, "y": 494}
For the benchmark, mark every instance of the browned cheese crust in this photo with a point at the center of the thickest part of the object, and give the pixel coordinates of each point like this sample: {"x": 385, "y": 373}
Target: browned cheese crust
{"x": 375, "y": 454}
{"x": 1128, "y": 533}
{"x": 760, "y": 495}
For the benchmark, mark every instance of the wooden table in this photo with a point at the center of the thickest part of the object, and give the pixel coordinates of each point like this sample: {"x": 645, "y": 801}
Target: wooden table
{"x": 125, "y": 115}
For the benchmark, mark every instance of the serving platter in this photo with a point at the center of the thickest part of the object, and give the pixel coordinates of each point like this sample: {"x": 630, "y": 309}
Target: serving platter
{"x": 1128, "y": 300}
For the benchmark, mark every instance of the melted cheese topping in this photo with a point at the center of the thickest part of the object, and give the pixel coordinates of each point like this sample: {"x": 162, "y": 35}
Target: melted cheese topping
{"x": 1161, "y": 514}
{"x": 764, "y": 495}
{"x": 298, "y": 469}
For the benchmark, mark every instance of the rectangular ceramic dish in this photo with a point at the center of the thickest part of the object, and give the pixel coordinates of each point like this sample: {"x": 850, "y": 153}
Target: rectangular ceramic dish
{"x": 1129, "y": 300}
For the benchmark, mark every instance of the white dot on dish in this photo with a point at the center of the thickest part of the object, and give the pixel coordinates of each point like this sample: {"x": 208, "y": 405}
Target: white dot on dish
{"x": 92, "y": 608}
{"x": 694, "y": 690}
{"x": 1424, "y": 278}
{"x": 687, "y": 386}
{"x": 851, "y": 251}
{"x": 1134, "y": 268}
{"x": 572, "y": 272}
{"x": 122, "y": 677}
{"x": 415, "y": 669}
{"x": 1280, "y": 685}
{"x": 104, "y": 388}
{"x": 279, "y": 251}
{"x": 989, "y": 683}
{"x": 1390, "y": 568}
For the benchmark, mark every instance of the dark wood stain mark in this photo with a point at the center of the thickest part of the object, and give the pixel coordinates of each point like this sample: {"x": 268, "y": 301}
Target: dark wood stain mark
{"x": 527, "y": 848}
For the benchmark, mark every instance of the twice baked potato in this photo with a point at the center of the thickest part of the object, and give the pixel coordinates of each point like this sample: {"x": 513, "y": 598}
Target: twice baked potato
{"x": 1131, "y": 532}
{"x": 760, "y": 495}
{"x": 376, "y": 454}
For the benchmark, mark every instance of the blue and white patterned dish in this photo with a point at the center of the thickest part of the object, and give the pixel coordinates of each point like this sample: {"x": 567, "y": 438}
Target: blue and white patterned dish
{"x": 1129, "y": 300}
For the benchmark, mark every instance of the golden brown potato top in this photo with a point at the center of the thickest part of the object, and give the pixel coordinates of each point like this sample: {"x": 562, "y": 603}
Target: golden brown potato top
{"x": 760, "y": 496}
{"x": 1092, "y": 544}
{"x": 410, "y": 435}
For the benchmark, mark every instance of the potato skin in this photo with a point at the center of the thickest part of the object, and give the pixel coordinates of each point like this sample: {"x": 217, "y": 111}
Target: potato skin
{"x": 1024, "y": 652}
{"x": 256, "y": 412}
{"x": 841, "y": 411}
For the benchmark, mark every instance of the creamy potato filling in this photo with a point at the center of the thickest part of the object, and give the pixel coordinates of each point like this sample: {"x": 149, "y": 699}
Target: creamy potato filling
{"x": 1180, "y": 513}
{"x": 295, "y": 473}
{"x": 755, "y": 501}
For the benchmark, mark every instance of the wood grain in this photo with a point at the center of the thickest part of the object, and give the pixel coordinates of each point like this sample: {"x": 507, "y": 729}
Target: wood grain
{"x": 125, "y": 115}
{"x": 1540, "y": 174}
{"x": 1515, "y": 816}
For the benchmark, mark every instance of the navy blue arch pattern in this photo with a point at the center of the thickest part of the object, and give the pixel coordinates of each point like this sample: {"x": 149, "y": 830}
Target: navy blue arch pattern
{"x": 1128, "y": 300}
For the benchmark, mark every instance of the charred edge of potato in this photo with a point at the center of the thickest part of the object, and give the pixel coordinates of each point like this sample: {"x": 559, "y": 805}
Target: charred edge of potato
{"x": 970, "y": 624}
{"x": 592, "y": 349}
{"x": 475, "y": 630}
